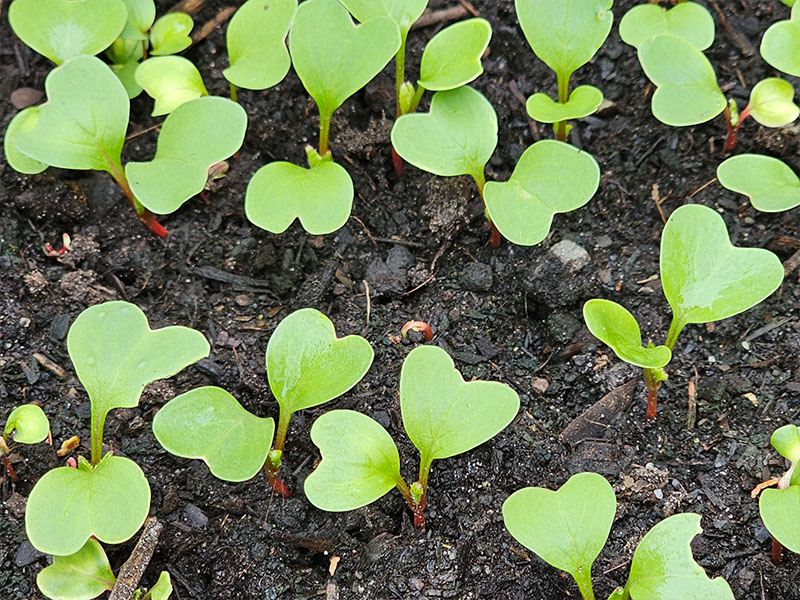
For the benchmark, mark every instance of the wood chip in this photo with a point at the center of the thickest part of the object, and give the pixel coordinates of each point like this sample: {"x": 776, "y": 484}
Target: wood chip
{"x": 51, "y": 366}
{"x": 25, "y": 97}
{"x": 594, "y": 422}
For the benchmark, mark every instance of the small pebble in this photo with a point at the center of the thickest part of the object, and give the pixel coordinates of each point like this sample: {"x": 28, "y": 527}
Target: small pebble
{"x": 242, "y": 300}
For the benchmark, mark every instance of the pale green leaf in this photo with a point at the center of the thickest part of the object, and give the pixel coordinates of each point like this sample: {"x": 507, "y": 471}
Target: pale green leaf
{"x": 163, "y": 587}
{"x": 210, "y": 424}
{"x": 786, "y": 440}
{"x": 124, "y": 51}
{"x": 772, "y": 102}
{"x": 663, "y": 566}
{"x": 780, "y": 46}
{"x": 359, "y": 464}
{"x": 779, "y": 510}
{"x": 688, "y": 20}
{"x": 456, "y": 137}
{"x": 687, "y": 95}
{"x": 170, "y": 34}
{"x": 141, "y": 14}
{"x": 613, "y": 325}
{"x": 453, "y": 57}
{"x": 256, "y": 39}
{"x": 444, "y": 415}
{"x": 194, "y": 136}
{"x": 402, "y": 12}
{"x": 705, "y": 277}
{"x": 583, "y": 101}
{"x": 67, "y": 506}
{"x": 308, "y": 365}
{"x": 29, "y": 424}
{"x": 80, "y": 576}
{"x": 170, "y": 81}
{"x": 770, "y": 183}
{"x": 320, "y": 197}
{"x": 63, "y": 29}
{"x": 551, "y": 177}
{"x": 335, "y": 58}
{"x": 15, "y": 158}
{"x": 127, "y": 75}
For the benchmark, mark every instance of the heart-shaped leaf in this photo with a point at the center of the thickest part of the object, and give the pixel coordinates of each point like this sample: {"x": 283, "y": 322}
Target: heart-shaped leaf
{"x": 551, "y": 177}
{"x": 566, "y": 528}
{"x": 779, "y": 510}
{"x": 67, "y": 506}
{"x": 116, "y": 354}
{"x": 457, "y": 136}
{"x": 280, "y": 192}
{"x": 780, "y": 46}
{"x": 705, "y": 277}
{"x": 15, "y": 158}
{"x": 359, "y": 464}
{"x": 565, "y": 34}
{"x": 684, "y": 96}
{"x": 62, "y": 29}
{"x": 771, "y": 102}
{"x": 29, "y": 424}
{"x": 583, "y": 101}
{"x": 256, "y": 39}
{"x": 170, "y": 81}
{"x": 453, "y": 57}
{"x": 83, "y": 123}
{"x": 770, "y": 183}
{"x": 442, "y": 414}
{"x": 170, "y": 34}
{"x": 663, "y": 565}
{"x": 786, "y": 440}
{"x": 85, "y": 574}
{"x": 613, "y": 325}
{"x": 402, "y": 12}
{"x": 308, "y": 365}
{"x": 688, "y": 20}
{"x": 335, "y": 58}
{"x": 163, "y": 587}
{"x": 141, "y": 14}
{"x": 210, "y": 424}
{"x": 194, "y": 136}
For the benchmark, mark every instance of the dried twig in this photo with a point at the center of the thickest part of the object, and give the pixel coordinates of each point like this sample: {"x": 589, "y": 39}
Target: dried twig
{"x": 434, "y": 17}
{"x": 133, "y": 569}
{"x": 210, "y": 26}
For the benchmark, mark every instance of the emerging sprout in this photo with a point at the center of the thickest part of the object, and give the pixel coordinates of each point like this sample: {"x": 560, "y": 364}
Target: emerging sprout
{"x": 771, "y": 105}
{"x": 170, "y": 81}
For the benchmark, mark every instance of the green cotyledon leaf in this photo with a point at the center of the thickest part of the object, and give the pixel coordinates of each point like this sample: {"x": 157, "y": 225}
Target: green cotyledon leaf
{"x": 612, "y": 324}
{"x": 688, "y": 20}
{"x": 772, "y": 102}
{"x": 28, "y": 424}
{"x": 453, "y": 57}
{"x": 171, "y": 81}
{"x": 402, "y": 12}
{"x": 360, "y": 462}
{"x": 583, "y": 101}
{"x": 771, "y": 184}
{"x": 779, "y": 509}
{"x": 780, "y": 46}
{"x": 85, "y": 574}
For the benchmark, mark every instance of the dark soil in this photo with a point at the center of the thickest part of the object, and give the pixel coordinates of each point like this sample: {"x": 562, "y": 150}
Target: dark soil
{"x": 512, "y": 314}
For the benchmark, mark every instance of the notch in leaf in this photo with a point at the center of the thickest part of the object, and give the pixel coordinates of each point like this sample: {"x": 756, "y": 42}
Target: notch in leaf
{"x": 688, "y": 20}
{"x": 171, "y": 81}
{"x": 771, "y": 184}
{"x": 443, "y": 416}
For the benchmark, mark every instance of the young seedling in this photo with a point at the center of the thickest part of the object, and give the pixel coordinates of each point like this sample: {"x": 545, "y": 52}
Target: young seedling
{"x": 196, "y": 135}
{"x": 26, "y": 424}
{"x": 780, "y": 46}
{"x": 170, "y": 81}
{"x": 705, "y": 278}
{"x": 115, "y": 354}
{"x": 442, "y": 415}
{"x": 256, "y": 39}
{"x": 771, "y": 105}
{"x": 686, "y": 85}
{"x": 770, "y": 183}
{"x": 81, "y": 126}
{"x": 779, "y": 507}
{"x": 307, "y": 365}
{"x": 565, "y": 35}
{"x": 688, "y": 20}
{"x": 568, "y": 528}
{"x": 170, "y": 34}
{"x": 63, "y": 29}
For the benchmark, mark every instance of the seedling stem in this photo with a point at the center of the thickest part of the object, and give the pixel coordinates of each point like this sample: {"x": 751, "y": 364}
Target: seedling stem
{"x": 144, "y": 215}
{"x": 324, "y": 130}
{"x": 563, "y": 97}
{"x": 733, "y": 119}
{"x": 272, "y": 466}
{"x": 583, "y": 577}
{"x": 234, "y": 94}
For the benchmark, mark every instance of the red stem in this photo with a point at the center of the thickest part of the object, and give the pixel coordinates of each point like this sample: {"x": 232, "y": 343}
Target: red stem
{"x": 278, "y": 486}
{"x": 9, "y": 469}
{"x": 652, "y": 403}
{"x": 397, "y": 161}
{"x": 777, "y": 551}
{"x": 496, "y": 238}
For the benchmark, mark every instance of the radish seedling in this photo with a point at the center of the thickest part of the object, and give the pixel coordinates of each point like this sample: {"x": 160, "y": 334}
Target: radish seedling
{"x": 256, "y": 39}
{"x": 771, "y": 105}
{"x": 568, "y": 528}
{"x": 770, "y": 183}
{"x": 307, "y": 365}
{"x": 115, "y": 355}
{"x": 26, "y": 424}
{"x": 170, "y": 81}
{"x": 170, "y": 34}
{"x": 63, "y": 29}
{"x": 780, "y": 507}
{"x": 443, "y": 416}
{"x": 195, "y": 136}
{"x": 780, "y": 46}
{"x": 688, "y": 20}
{"x": 565, "y": 35}
{"x": 705, "y": 278}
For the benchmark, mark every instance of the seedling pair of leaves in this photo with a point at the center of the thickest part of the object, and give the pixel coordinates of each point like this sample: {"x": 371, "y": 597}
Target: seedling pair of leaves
{"x": 307, "y": 365}
{"x": 83, "y": 123}
{"x": 334, "y": 58}
{"x": 705, "y": 278}
{"x": 442, "y": 415}
{"x": 568, "y": 528}
{"x": 565, "y": 35}
{"x": 779, "y": 507}
{"x": 87, "y": 574}
{"x": 459, "y": 135}
{"x": 771, "y": 105}
{"x": 771, "y": 184}
{"x": 115, "y": 355}
{"x": 143, "y": 35}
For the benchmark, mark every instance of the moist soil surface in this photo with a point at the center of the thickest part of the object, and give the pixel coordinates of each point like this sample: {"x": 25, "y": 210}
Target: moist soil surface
{"x": 416, "y": 248}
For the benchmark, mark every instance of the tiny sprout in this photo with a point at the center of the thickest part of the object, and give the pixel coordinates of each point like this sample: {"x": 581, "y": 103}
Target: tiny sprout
{"x": 771, "y": 105}
{"x": 418, "y": 326}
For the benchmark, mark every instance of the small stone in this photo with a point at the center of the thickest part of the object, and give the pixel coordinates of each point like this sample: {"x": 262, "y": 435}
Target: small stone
{"x": 539, "y": 385}
{"x": 570, "y": 254}
{"x": 382, "y": 417}
{"x": 25, "y": 97}
{"x": 59, "y": 326}
{"x": 196, "y": 517}
{"x": 242, "y": 300}
{"x": 604, "y": 241}
{"x": 171, "y": 500}
{"x": 658, "y": 494}
{"x": 477, "y": 277}
{"x": 16, "y": 505}
{"x": 26, "y": 554}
